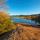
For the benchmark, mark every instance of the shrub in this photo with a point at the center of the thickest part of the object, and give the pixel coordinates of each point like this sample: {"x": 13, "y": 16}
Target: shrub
{"x": 5, "y": 22}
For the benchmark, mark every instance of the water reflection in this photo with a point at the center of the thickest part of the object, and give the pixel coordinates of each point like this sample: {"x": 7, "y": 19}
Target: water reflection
{"x": 25, "y": 21}
{"x": 37, "y": 21}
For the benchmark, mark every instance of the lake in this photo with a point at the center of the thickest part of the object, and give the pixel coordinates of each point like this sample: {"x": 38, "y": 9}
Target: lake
{"x": 25, "y": 21}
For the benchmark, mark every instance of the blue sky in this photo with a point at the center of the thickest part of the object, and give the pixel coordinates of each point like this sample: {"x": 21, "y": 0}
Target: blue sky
{"x": 23, "y": 7}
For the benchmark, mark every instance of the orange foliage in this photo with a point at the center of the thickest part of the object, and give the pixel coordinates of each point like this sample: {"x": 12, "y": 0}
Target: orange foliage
{"x": 5, "y": 22}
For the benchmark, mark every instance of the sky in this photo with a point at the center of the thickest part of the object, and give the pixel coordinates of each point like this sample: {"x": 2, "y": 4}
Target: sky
{"x": 23, "y": 7}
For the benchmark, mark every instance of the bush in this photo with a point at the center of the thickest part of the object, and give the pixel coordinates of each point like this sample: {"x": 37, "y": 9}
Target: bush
{"x": 5, "y": 22}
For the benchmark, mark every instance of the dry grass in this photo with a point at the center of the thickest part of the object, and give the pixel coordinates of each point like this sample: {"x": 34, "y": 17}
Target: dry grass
{"x": 26, "y": 33}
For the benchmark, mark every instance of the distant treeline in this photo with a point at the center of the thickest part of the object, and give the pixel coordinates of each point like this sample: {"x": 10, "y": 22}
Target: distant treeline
{"x": 36, "y": 18}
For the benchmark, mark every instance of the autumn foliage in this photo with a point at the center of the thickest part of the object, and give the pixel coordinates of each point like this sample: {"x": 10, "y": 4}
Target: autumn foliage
{"x": 5, "y": 22}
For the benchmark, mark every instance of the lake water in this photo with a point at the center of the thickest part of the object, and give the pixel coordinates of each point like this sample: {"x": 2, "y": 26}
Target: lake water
{"x": 25, "y": 21}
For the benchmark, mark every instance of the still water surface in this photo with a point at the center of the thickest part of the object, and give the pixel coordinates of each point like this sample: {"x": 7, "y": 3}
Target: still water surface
{"x": 25, "y": 21}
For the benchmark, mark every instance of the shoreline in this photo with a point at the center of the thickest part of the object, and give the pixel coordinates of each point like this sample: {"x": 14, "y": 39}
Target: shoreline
{"x": 26, "y": 25}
